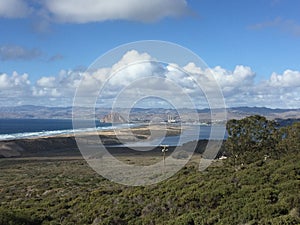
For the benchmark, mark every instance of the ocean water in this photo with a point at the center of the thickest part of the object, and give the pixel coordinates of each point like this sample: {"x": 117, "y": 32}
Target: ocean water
{"x": 11, "y": 129}
{"x": 26, "y": 128}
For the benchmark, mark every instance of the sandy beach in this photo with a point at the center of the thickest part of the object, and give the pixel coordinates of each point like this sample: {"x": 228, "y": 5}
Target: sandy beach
{"x": 65, "y": 144}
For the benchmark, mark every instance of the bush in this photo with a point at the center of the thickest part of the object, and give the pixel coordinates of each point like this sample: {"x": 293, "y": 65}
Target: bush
{"x": 16, "y": 218}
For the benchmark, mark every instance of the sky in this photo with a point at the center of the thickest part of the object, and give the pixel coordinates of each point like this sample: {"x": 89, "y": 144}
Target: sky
{"x": 251, "y": 47}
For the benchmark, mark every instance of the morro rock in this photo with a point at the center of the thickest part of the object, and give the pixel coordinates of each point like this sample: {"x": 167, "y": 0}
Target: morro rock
{"x": 113, "y": 118}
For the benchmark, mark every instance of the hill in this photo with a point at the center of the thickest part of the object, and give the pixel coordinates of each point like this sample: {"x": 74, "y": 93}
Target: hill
{"x": 143, "y": 114}
{"x": 69, "y": 191}
{"x": 258, "y": 184}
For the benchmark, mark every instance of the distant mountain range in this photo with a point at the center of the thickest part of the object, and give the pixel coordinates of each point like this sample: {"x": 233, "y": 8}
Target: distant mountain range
{"x": 143, "y": 114}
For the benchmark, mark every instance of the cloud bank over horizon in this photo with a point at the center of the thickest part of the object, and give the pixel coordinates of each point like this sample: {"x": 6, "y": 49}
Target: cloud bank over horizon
{"x": 239, "y": 86}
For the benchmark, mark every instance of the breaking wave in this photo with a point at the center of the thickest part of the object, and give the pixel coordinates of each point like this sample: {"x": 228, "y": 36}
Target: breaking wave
{"x": 27, "y": 135}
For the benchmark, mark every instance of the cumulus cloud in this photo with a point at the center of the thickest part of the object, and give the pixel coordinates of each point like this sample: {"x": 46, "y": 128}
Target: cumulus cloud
{"x": 84, "y": 11}
{"x": 240, "y": 79}
{"x": 180, "y": 77}
{"x": 14, "y": 9}
{"x": 14, "y": 81}
{"x": 15, "y": 52}
{"x": 230, "y": 82}
{"x": 289, "y": 78}
{"x": 14, "y": 87}
{"x": 132, "y": 65}
{"x": 62, "y": 85}
{"x": 4, "y": 82}
{"x": 240, "y": 89}
{"x": 46, "y": 82}
{"x": 137, "y": 74}
{"x": 280, "y": 90}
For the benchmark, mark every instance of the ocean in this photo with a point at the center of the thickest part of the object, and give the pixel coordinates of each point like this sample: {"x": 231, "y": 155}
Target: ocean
{"x": 11, "y": 129}
{"x": 26, "y": 128}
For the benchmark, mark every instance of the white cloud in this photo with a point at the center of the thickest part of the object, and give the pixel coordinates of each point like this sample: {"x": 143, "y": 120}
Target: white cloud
{"x": 46, "y": 82}
{"x": 132, "y": 65}
{"x": 84, "y": 11}
{"x": 280, "y": 90}
{"x": 289, "y": 78}
{"x": 135, "y": 71}
{"x": 4, "y": 82}
{"x": 240, "y": 79}
{"x": 130, "y": 57}
{"x": 64, "y": 85}
{"x": 126, "y": 70}
{"x": 239, "y": 88}
{"x": 230, "y": 82}
{"x": 14, "y": 81}
{"x": 14, "y": 9}
{"x": 14, "y": 86}
{"x": 179, "y": 76}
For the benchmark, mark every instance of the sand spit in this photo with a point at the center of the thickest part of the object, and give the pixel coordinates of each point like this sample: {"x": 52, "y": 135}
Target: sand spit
{"x": 65, "y": 144}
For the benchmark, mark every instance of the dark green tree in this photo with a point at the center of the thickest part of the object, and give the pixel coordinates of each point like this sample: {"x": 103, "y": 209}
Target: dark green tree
{"x": 16, "y": 218}
{"x": 290, "y": 139}
{"x": 251, "y": 138}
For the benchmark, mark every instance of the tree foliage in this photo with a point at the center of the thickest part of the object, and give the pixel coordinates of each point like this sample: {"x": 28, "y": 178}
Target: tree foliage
{"x": 290, "y": 138}
{"x": 16, "y": 218}
{"x": 251, "y": 138}
{"x": 69, "y": 192}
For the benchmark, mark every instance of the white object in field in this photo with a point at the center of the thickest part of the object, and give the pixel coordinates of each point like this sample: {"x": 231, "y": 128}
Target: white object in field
{"x": 164, "y": 150}
{"x": 223, "y": 157}
{"x": 171, "y": 119}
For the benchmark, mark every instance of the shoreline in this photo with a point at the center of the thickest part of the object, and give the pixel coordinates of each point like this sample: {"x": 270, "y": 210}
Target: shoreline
{"x": 106, "y": 130}
{"x": 65, "y": 144}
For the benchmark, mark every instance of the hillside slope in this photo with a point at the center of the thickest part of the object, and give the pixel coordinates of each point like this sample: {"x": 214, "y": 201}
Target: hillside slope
{"x": 67, "y": 192}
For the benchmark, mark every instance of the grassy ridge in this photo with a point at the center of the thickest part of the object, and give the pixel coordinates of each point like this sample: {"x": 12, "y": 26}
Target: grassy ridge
{"x": 69, "y": 192}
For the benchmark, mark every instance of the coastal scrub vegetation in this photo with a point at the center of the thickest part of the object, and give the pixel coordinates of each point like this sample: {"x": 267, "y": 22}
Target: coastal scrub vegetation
{"x": 258, "y": 184}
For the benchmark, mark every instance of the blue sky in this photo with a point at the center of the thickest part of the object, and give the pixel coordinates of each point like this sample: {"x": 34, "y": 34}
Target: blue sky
{"x": 44, "y": 40}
